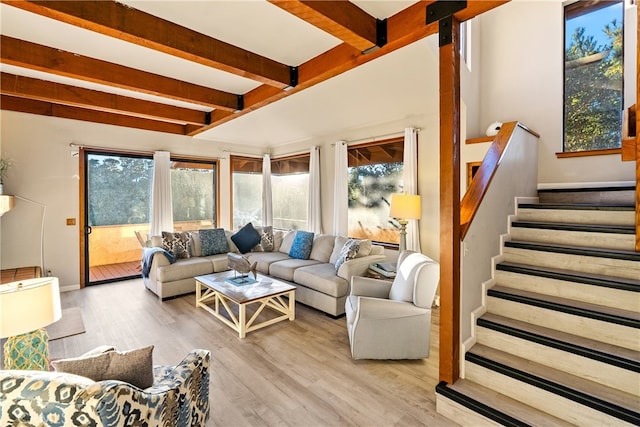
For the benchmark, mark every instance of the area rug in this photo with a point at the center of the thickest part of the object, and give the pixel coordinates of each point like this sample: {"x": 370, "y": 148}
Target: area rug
{"x": 70, "y": 324}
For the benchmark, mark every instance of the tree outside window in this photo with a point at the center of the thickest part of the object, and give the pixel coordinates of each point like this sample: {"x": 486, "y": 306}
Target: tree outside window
{"x": 593, "y": 75}
{"x": 290, "y": 192}
{"x": 246, "y": 184}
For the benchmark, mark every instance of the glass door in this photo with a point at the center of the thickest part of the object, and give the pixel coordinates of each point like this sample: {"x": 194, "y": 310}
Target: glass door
{"x": 117, "y": 201}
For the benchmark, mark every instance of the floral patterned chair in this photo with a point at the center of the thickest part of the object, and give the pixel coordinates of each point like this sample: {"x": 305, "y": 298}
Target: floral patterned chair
{"x": 178, "y": 397}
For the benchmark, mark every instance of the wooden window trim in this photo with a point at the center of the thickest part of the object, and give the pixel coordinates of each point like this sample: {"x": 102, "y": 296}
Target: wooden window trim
{"x": 587, "y": 153}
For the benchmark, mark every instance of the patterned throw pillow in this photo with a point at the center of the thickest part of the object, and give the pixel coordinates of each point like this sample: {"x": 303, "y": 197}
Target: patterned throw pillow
{"x": 266, "y": 239}
{"x": 213, "y": 241}
{"x": 134, "y": 367}
{"x": 177, "y": 244}
{"x": 302, "y": 245}
{"x": 246, "y": 238}
{"x": 348, "y": 251}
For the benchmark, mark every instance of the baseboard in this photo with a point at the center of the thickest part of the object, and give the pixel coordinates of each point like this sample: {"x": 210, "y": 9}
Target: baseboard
{"x": 69, "y": 288}
{"x": 575, "y": 185}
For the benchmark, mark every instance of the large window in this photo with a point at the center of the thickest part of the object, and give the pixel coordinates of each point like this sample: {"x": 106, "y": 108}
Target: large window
{"x": 246, "y": 183}
{"x": 375, "y": 172}
{"x": 593, "y": 75}
{"x": 290, "y": 192}
{"x": 194, "y": 194}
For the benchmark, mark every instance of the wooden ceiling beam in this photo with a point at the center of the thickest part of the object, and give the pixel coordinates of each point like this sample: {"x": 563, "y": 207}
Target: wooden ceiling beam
{"x": 43, "y": 90}
{"x": 43, "y": 108}
{"x": 126, "y": 23}
{"x": 342, "y": 19}
{"x": 43, "y": 58}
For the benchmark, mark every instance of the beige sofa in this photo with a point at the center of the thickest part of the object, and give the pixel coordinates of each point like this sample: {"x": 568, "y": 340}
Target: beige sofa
{"x": 317, "y": 282}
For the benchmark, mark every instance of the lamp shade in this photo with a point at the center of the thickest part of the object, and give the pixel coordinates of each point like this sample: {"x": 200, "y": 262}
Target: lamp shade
{"x": 405, "y": 206}
{"x": 28, "y": 305}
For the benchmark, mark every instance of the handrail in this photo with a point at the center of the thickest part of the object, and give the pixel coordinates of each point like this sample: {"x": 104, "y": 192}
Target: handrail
{"x": 481, "y": 180}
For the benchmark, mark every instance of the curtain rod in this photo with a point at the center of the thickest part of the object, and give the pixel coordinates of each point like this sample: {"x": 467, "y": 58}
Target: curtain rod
{"x": 74, "y": 145}
{"x": 377, "y": 137}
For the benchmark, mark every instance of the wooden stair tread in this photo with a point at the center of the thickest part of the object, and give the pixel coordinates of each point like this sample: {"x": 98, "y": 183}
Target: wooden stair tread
{"x": 584, "y": 345}
{"x": 568, "y": 305}
{"x": 586, "y": 228}
{"x": 505, "y": 404}
{"x": 572, "y": 275}
{"x": 578, "y": 206}
{"x": 575, "y": 250}
{"x": 553, "y": 380}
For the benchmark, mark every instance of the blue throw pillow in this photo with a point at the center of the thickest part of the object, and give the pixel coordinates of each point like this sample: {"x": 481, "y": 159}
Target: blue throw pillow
{"x": 213, "y": 241}
{"x": 246, "y": 238}
{"x": 302, "y": 244}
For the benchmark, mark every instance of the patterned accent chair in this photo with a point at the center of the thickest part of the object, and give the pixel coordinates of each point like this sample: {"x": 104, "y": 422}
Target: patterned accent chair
{"x": 179, "y": 397}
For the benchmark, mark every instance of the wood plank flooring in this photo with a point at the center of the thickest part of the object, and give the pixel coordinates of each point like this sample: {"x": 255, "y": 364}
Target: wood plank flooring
{"x": 296, "y": 373}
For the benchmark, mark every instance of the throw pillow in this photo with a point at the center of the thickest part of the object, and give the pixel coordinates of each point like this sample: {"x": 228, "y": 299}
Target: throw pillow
{"x": 213, "y": 241}
{"x": 177, "y": 244}
{"x": 246, "y": 238}
{"x": 302, "y": 244}
{"x": 287, "y": 241}
{"x": 196, "y": 244}
{"x": 365, "y": 248}
{"x": 134, "y": 367}
{"x": 348, "y": 251}
{"x": 266, "y": 239}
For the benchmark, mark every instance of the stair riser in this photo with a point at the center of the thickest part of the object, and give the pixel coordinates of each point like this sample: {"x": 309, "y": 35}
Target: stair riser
{"x": 615, "y": 298}
{"x": 577, "y": 216}
{"x": 589, "y": 369}
{"x": 575, "y": 238}
{"x": 591, "y": 197}
{"x": 610, "y": 333}
{"x": 461, "y": 414}
{"x": 551, "y": 403}
{"x": 579, "y": 263}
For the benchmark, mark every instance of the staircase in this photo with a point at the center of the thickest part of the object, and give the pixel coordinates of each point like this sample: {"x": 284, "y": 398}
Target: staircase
{"x": 559, "y": 343}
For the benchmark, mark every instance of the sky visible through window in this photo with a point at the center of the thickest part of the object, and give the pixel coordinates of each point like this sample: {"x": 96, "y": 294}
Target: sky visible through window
{"x": 594, "y": 23}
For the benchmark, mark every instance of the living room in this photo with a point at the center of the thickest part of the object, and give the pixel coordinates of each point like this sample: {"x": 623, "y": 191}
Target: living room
{"x": 512, "y": 76}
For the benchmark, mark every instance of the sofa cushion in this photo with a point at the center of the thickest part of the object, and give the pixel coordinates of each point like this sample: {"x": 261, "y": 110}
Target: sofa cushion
{"x": 232, "y": 246}
{"x": 246, "y": 238}
{"x": 213, "y": 241}
{"x": 322, "y": 247}
{"x": 349, "y": 251}
{"x": 365, "y": 248}
{"x": 220, "y": 262}
{"x": 302, "y": 244}
{"x": 277, "y": 239}
{"x": 284, "y": 269}
{"x": 184, "y": 268}
{"x": 337, "y": 247}
{"x": 134, "y": 367}
{"x": 322, "y": 278}
{"x": 287, "y": 240}
{"x": 196, "y": 244}
{"x": 177, "y": 244}
{"x": 265, "y": 259}
{"x": 266, "y": 239}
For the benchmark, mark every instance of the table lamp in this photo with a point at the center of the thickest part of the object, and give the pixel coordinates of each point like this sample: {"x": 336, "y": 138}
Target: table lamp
{"x": 26, "y": 307}
{"x": 403, "y": 208}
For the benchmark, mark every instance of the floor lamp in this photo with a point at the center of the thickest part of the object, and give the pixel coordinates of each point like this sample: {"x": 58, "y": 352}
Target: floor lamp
{"x": 26, "y": 307}
{"x": 403, "y": 208}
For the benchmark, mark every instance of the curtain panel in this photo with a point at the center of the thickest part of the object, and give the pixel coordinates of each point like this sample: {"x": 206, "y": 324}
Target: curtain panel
{"x": 410, "y": 181}
{"x": 161, "y": 202}
{"x": 314, "y": 210}
{"x": 341, "y": 188}
{"x": 267, "y": 199}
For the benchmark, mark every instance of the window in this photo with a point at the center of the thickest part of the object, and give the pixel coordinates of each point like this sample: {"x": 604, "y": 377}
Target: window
{"x": 246, "y": 184}
{"x": 194, "y": 194}
{"x": 375, "y": 172}
{"x": 290, "y": 192}
{"x": 593, "y": 75}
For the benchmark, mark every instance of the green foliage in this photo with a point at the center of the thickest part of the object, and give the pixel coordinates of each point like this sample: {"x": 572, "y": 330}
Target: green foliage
{"x": 371, "y": 185}
{"x": 593, "y": 91}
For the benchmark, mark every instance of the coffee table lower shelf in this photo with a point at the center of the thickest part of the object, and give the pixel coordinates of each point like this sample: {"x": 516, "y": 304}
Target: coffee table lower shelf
{"x": 282, "y": 302}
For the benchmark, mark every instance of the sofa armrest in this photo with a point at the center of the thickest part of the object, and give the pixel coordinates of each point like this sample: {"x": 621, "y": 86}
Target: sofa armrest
{"x": 369, "y": 287}
{"x": 358, "y": 266}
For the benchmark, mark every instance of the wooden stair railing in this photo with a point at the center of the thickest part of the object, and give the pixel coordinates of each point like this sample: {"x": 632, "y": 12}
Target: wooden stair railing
{"x": 481, "y": 180}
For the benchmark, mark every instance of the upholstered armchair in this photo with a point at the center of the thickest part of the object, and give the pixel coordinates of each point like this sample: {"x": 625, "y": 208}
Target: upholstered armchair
{"x": 392, "y": 320}
{"x": 179, "y": 396}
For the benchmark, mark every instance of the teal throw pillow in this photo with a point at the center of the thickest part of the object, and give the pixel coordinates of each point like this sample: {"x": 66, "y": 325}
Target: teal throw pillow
{"x": 213, "y": 241}
{"x": 246, "y": 238}
{"x": 302, "y": 244}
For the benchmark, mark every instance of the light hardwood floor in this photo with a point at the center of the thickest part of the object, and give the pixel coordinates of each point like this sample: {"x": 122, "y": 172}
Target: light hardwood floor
{"x": 296, "y": 373}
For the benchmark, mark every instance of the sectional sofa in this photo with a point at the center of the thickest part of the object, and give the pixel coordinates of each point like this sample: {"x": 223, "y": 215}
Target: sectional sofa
{"x": 318, "y": 282}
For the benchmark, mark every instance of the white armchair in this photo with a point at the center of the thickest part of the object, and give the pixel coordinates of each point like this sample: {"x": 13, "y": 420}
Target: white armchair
{"x": 392, "y": 320}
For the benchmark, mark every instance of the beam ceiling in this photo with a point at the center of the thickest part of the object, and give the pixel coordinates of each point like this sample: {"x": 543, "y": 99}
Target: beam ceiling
{"x": 356, "y": 30}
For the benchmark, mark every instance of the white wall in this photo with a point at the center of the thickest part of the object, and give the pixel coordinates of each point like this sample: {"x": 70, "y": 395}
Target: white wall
{"x": 522, "y": 45}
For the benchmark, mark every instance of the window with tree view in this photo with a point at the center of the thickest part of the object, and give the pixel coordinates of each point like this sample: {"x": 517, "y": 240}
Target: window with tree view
{"x": 290, "y": 192}
{"x": 246, "y": 184}
{"x": 375, "y": 172}
{"x": 593, "y": 75}
{"x": 193, "y": 194}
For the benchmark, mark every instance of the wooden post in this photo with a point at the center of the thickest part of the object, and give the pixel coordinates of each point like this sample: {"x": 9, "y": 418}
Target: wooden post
{"x": 450, "y": 206}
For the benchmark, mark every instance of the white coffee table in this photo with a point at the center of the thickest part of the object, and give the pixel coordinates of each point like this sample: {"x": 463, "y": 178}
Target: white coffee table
{"x": 214, "y": 293}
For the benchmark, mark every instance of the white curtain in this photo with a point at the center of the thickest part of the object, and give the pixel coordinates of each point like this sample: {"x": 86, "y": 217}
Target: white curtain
{"x": 161, "y": 206}
{"x": 410, "y": 179}
{"x": 340, "y": 193}
{"x": 267, "y": 200}
{"x": 315, "y": 213}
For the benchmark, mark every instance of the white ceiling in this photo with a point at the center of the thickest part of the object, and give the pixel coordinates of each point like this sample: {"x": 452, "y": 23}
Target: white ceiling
{"x": 392, "y": 87}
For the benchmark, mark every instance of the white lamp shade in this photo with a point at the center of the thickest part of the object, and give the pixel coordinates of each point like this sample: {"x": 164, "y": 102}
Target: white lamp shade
{"x": 405, "y": 206}
{"x": 28, "y": 305}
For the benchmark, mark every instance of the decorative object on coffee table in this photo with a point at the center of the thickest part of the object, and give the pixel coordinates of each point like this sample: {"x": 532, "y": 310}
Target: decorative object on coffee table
{"x": 240, "y": 264}
{"x": 26, "y": 307}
